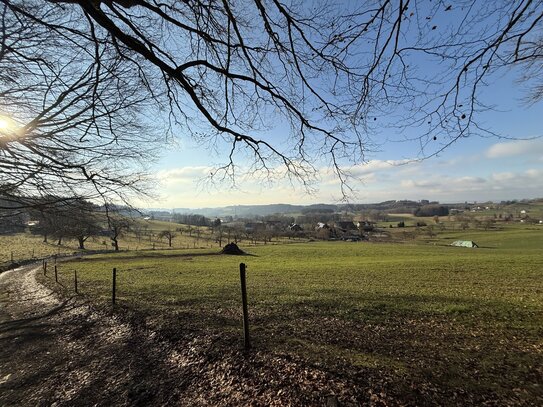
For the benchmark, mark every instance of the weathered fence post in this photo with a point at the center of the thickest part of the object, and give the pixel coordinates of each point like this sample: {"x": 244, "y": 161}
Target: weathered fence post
{"x": 75, "y": 281}
{"x": 246, "y": 339}
{"x": 56, "y": 275}
{"x": 44, "y": 268}
{"x": 114, "y": 285}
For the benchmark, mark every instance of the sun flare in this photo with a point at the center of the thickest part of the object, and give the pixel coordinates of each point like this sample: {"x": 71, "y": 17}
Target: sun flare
{"x": 4, "y": 124}
{"x": 7, "y": 125}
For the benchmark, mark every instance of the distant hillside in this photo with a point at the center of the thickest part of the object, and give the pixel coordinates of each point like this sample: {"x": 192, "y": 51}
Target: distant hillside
{"x": 392, "y": 206}
{"x": 271, "y": 209}
{"x": 252, "y": 210}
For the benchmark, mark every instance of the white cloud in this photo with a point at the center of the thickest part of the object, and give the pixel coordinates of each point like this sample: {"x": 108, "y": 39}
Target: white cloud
{"x": 503, "y": 176}
{"x": 183, "y": 173}
{"x": 516, "y": 148}
{"x": 471, "y": 180}
{"x": 533, "y": 173}
{"x": 453, "y": 181}
{"x": 409, "y": 183}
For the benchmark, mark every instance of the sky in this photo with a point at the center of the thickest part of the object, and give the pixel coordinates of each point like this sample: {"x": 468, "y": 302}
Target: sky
{"x": 472, "y": 169}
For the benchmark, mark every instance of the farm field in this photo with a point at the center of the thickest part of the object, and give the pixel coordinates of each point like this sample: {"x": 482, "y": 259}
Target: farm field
{"x": 434, "y": 323}
{"x": 143, "y": 235}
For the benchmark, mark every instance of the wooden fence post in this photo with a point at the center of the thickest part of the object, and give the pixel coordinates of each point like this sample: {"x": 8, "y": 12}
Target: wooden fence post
{"x": 75, "y": 281}
{"x": 12, "y": 256}
{"x": 44, "y": 268}
{"x": 56, "y": 275}
{"x": 242, "y": 276}
{"x": 114, "y": 285}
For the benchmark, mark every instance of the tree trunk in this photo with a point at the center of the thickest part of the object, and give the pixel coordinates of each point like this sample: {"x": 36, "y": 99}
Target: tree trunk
{"x": 115, "y": 243}
{"x": 81, "y": 242}
{"x": 45, "y": 238}
{"x": 59, "y": 241}
{"x": 170, "y": 241}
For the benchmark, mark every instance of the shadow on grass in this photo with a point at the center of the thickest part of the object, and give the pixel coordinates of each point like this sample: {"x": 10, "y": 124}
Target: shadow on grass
{"x": 450, "y": 344}
{"x": 160, "y": 255}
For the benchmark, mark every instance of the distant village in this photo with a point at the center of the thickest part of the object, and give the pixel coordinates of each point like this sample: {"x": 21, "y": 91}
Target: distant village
{"x": 266, "y": 223}
{"x": 349, "y": 222}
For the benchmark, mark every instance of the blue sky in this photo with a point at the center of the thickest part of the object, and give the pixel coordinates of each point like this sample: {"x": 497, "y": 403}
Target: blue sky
{"x": 472, "y": 169}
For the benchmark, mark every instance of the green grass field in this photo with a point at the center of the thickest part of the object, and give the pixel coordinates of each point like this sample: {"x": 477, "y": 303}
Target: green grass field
{"x": 143, "y": 235}
{"x": 424, "y": 313}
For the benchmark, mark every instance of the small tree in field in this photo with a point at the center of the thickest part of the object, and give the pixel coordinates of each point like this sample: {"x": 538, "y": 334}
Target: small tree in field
{"x": 488, "y": 223}
{"x": 117, "y": 226}
{"x": 168, "y": 234}
{"x": 219, "y": 233}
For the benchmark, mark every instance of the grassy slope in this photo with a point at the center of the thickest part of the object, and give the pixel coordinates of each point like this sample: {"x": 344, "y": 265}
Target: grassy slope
{"x": 452, "y": 317}
{"x": 25, "y": 245}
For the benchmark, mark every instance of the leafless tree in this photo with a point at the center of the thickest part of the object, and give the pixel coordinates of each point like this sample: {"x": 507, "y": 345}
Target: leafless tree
{"x": 531, "y": 58}
{"x": 118, "y": 225}
{"x": 77, "y": 219}
{"x": 82, "y": 221}
{"x": 78, "y": 76}
{"x": 71, "y": 111}
{"x": 168, "y": 234}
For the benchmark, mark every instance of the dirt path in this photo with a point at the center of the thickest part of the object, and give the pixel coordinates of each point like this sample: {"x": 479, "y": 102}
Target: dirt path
{"x": 62, "y": 351}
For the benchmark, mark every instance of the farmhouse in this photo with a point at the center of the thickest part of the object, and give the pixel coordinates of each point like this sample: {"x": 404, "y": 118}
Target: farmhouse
{"x": 295, "y": 227}
{"x": 464, "y": 243}
{"x": 365, "y": 225}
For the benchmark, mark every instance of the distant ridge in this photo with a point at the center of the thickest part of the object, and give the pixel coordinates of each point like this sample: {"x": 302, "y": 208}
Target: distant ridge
{"x": 392, "y": 206}
{"x": 253, "y": 210}
{"x": 271, "y": 209}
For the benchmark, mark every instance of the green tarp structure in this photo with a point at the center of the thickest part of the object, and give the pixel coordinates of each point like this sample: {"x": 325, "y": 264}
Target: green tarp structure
{"x": 464, "y": 243}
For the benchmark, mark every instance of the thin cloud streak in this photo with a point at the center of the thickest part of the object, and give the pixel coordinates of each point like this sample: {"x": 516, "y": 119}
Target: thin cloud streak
{"x": 516, "y": 148}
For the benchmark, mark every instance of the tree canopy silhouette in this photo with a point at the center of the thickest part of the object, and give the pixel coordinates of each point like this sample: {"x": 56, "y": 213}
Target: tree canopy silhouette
{"x": 94, "y": 87}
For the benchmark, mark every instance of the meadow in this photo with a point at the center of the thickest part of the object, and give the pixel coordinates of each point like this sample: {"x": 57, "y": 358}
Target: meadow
{"x": 426, "y": 315}
{"x": 25, "y": 246}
